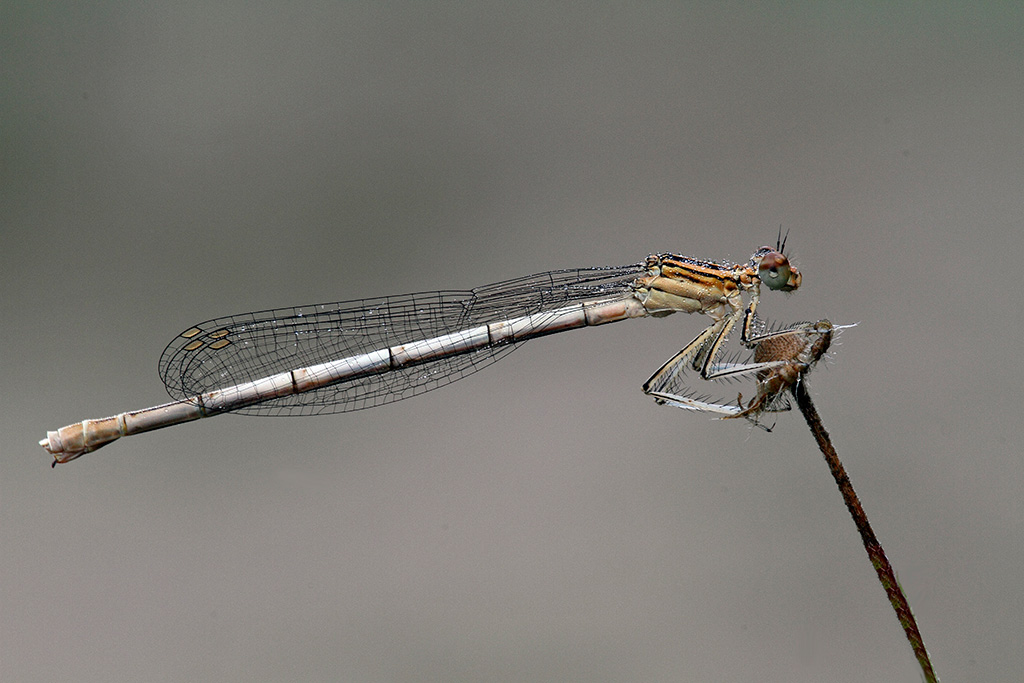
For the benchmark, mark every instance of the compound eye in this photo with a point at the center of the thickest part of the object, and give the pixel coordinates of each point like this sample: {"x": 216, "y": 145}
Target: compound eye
{"x": 775, "y": 272}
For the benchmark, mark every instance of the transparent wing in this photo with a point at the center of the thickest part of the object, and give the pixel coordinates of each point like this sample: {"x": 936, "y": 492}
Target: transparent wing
{"x": 242, "y": 348}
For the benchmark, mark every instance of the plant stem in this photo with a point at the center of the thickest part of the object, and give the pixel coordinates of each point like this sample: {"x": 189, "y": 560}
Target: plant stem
{"x": 876, "y": 554}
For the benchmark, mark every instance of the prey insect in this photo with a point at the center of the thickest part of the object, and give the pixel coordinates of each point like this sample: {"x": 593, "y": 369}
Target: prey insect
{"x": 780, "y": 360}
{"x": 338, "y": 357}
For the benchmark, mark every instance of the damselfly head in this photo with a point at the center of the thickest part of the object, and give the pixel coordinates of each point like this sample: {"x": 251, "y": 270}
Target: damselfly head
{"x": 775, "y": 270}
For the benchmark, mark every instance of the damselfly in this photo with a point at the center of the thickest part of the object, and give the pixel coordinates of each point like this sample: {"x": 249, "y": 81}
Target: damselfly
{"x": 339, "y": 357}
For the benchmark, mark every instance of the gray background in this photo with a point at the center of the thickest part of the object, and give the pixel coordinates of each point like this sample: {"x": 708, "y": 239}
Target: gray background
{"x": 540, "y": 521}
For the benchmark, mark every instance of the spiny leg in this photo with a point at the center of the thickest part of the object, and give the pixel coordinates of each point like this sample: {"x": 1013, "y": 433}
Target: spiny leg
{"x": 707, "y": 346}
{"x": 700, "y": 354}
{"x": 663, "y": 396}
{"x": 693, "y": 353}
{"x": 705, "y": 358}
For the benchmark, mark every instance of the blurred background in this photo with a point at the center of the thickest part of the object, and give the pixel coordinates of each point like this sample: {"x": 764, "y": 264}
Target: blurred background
{"x": 541, "y": 520}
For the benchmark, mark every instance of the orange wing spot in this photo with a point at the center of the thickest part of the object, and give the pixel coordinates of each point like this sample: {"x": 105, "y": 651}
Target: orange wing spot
{"x": 218, "y": 334}
{"x": 192, "y": 346}
{"x": 220, "y": 344}
{"x": 188, "y": 334}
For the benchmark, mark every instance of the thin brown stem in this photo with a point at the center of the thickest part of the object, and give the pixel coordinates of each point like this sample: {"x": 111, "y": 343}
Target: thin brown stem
{"x": 876, "y": 554}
